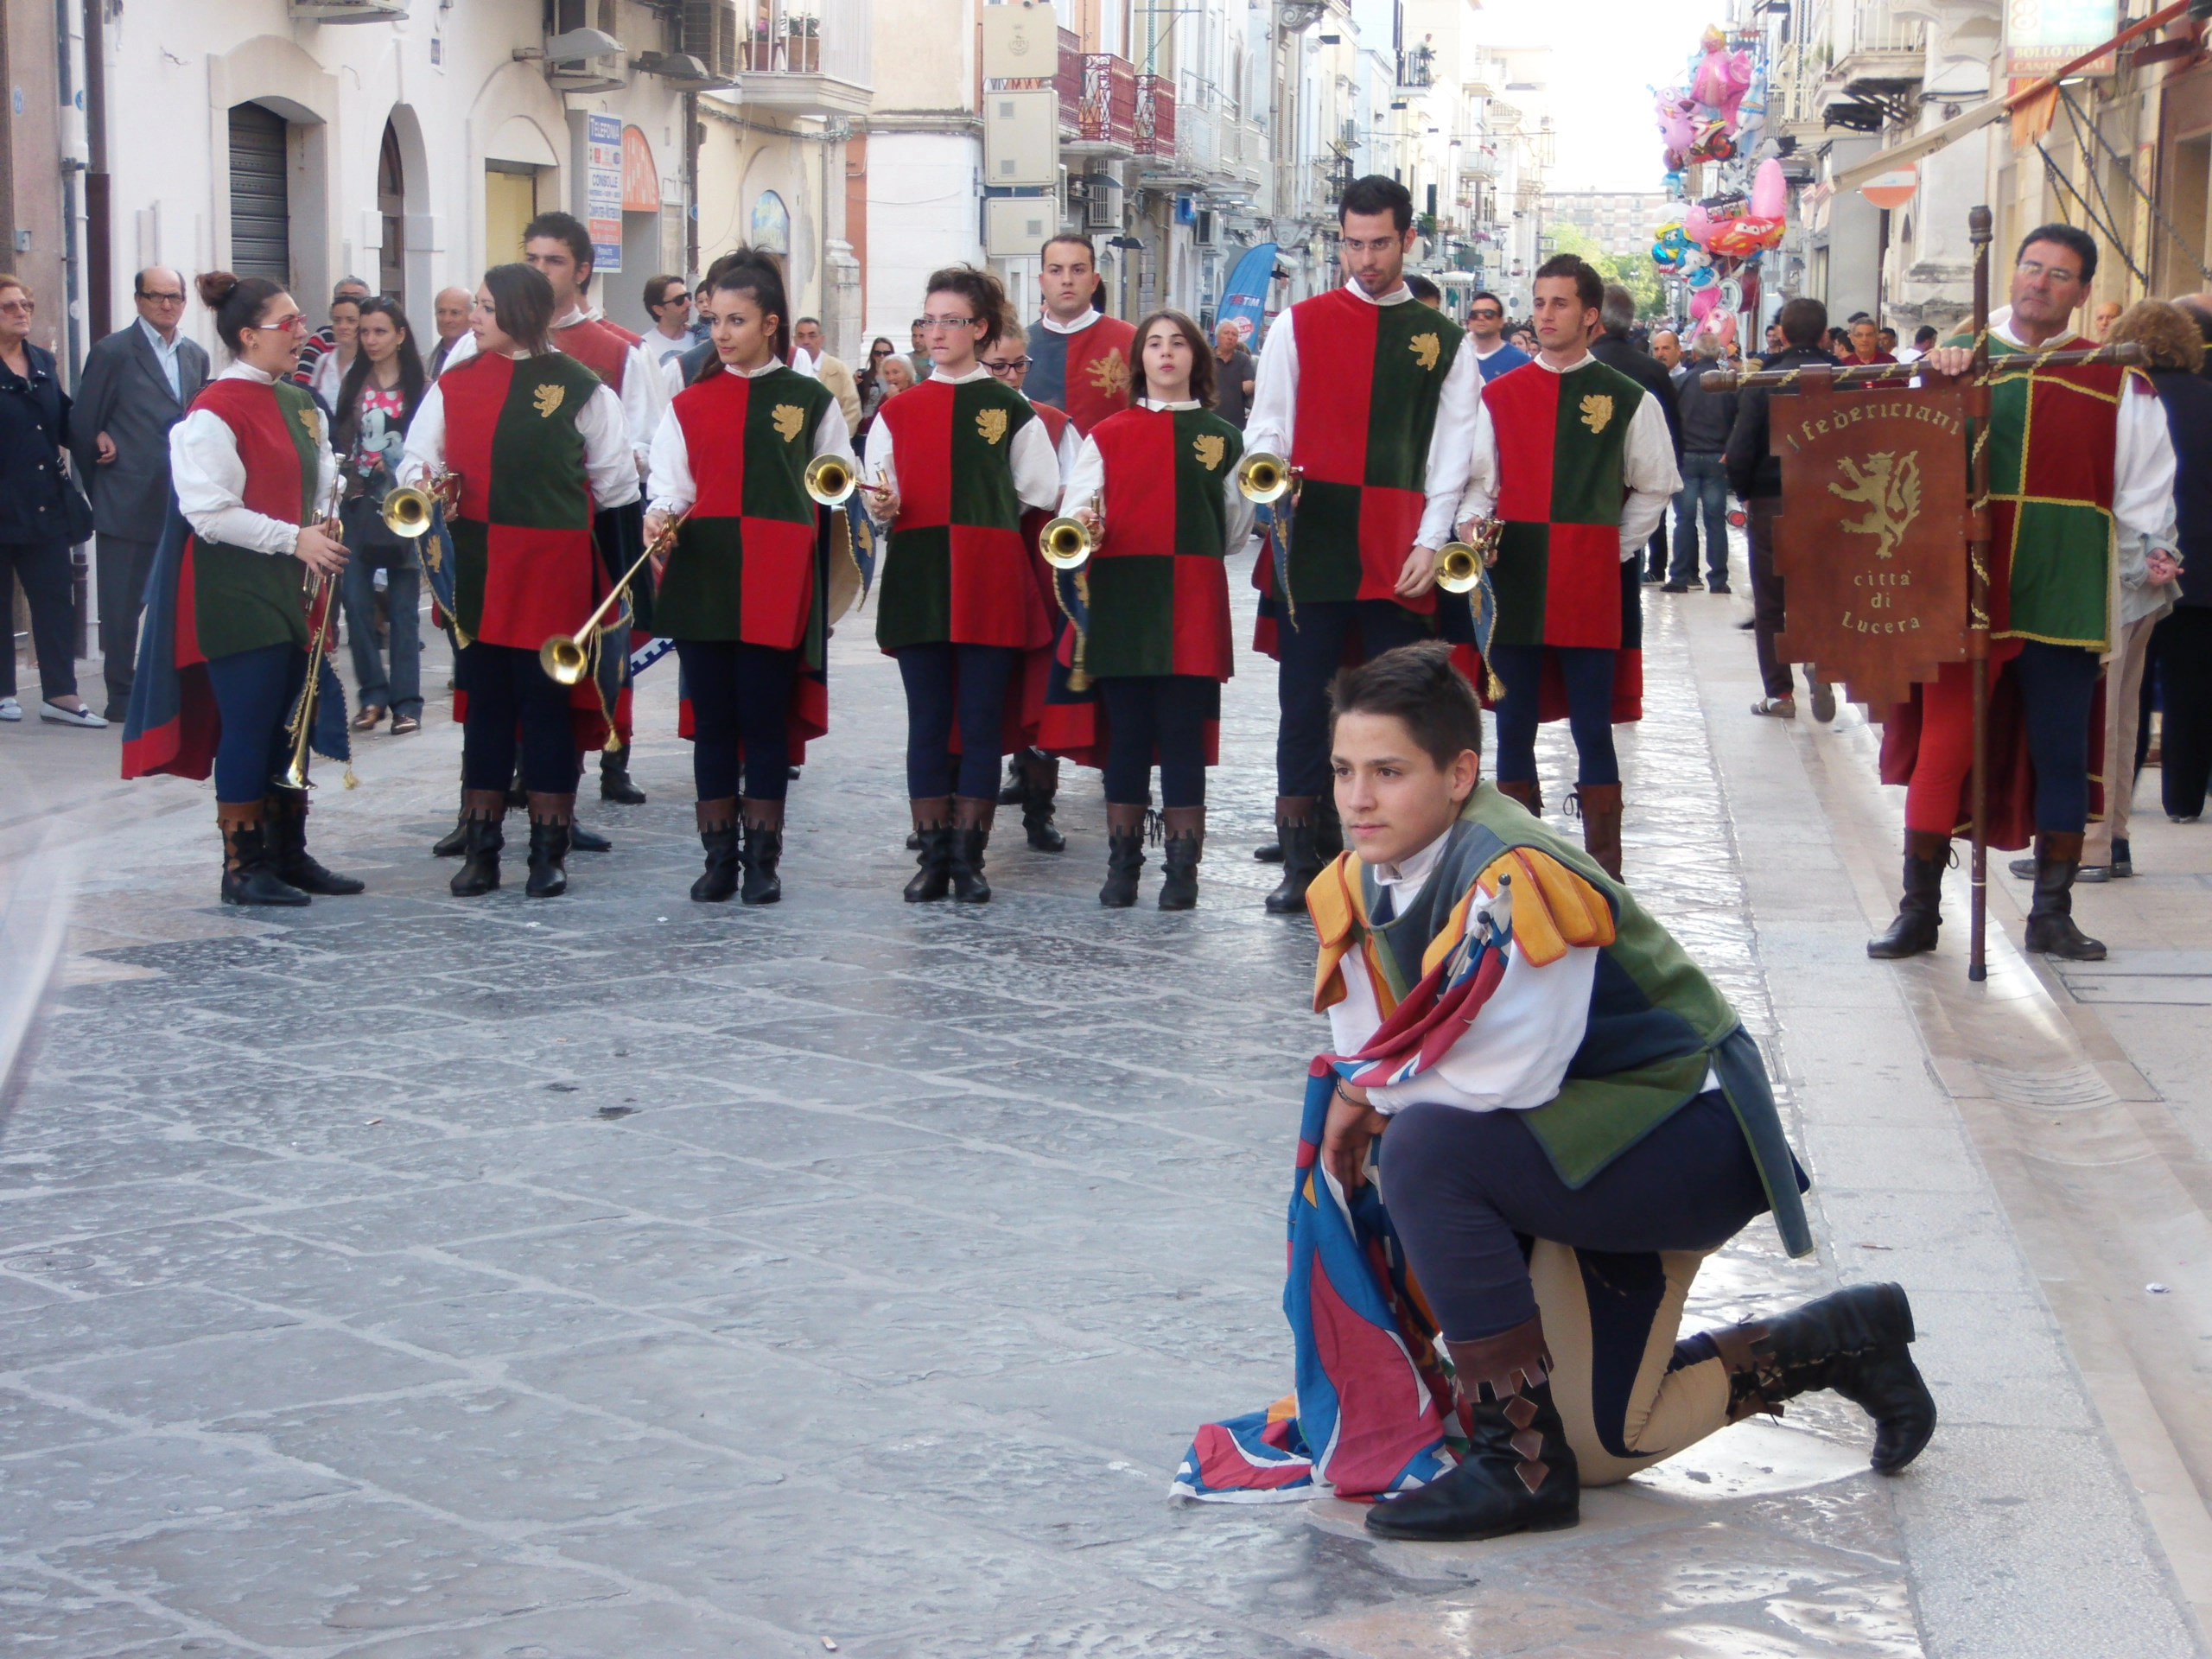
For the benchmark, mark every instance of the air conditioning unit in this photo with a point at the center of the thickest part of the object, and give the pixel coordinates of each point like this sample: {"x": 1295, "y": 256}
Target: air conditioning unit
{"x": 1206, "y": 232}
{"x": 347, "y": 11}
{"x": 586, "y": 60}
{"x": 710, "y": 33}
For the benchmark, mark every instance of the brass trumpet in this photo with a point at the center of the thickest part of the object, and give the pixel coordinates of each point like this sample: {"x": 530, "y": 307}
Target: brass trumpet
{"x": 1459, "y": 565}
{"x": 1262, "y": 477}
{"x": 1067, "y": 544}
{"x": 562, "y": 656}
{"x": 299, "y": 732}
{"x": 831, "y": 480}
{"x": 407, "y": 511}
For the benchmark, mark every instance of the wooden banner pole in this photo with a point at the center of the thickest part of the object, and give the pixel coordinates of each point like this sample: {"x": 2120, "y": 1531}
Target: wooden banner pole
{"x": 1979, "y": 223}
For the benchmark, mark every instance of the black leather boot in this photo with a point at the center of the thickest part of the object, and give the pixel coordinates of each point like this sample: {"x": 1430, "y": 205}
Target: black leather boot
{"x": 1187, "y": 835}
{"x": 1328, "y": 829}
{"x": 2050, "y": 915}
{"x": 248, "y": 877}
{"x": 1920, "y": 913}
{"x": 284, "y": 821}
{"x": 1519, "y": 1474}
{"x": 614, "y": 782}
{"x": 1040, "y": 787}
{"x": 481, "y": 811}
{"x": 933, "y": 830}
{"x": 717, "y": 821}
{"x": 455, "y": 841}
{"x": 971, "y": 834}
{"x": 1124, "y": 854}
{"x": 1017, "y": 779}
{"x": 1855, "y": 1342}
{"x": 1302, "y": 855}
{"x": 549, "y": 818}
{"x": 764, "y": 849}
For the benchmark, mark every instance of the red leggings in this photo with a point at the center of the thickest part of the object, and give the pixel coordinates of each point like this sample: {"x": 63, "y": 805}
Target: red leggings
{"x": 1932, "y": 800}
{"x": 2057, "y": 687}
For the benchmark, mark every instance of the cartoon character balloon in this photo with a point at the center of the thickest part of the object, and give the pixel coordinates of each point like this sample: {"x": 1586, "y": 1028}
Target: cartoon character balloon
{"x": 1770, "y": 190}
{"x": 1722, "y": 79}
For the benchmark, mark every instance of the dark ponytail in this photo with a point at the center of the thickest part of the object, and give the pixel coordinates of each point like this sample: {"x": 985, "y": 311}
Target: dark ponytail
{"x": 236, "y": 302}
{"x": 758, "y": 274}
{"x": 986, "y": 297}
{"x": 522, "y": 300}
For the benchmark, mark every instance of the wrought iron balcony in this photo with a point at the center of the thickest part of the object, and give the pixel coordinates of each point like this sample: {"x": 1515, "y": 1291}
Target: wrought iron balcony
{"x": 805, "y": 55}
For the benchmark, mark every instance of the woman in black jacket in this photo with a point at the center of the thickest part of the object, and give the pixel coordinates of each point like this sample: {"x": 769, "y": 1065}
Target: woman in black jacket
{"x": 377, "y": 400}
{"x": 40, "y": 512}
{"x": 2181, "y": 646}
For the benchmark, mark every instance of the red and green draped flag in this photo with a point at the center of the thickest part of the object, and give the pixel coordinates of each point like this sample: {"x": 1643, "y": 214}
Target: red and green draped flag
{"x": 2053, "y": 436}
{"x": 957, "y": 568}
{"x": 1369, "y": 378}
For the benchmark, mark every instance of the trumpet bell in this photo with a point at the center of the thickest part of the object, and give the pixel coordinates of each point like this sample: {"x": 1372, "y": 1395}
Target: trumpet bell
{"x": 561, "y": 658}
{"x": 830, "y": 482}
{"x": 1065, "y": 543}
{"x": 1263, "y": 478}
{"x": 1458, "y": 568}
{"x": 407, "y": 512}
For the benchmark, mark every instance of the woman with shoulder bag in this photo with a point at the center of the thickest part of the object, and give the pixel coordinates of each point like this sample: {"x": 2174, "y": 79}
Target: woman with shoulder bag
{"x": 41, "y": 512}
{"x": 376, "y": 402}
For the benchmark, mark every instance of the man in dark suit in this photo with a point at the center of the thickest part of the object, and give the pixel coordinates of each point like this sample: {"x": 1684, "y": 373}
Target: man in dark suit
{"x": 1616, "y": 350}
{"x": 136, "y": 384}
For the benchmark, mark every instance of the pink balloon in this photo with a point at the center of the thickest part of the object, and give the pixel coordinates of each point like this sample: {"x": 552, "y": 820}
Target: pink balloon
{"x": 1697, "y": 223}
{"x": 1770, "y": 191}
{"x": 1703, "y": 301}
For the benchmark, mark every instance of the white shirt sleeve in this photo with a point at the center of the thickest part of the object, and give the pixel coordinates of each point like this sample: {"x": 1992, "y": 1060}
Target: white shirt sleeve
{"x": 610, "y": 462}
{"x": 1514, "y": 1055}
{"x": 1237, "y": 517}
{"x": 209, "y": 480}
{"x": 1036, "y": 466}
{"x": 1648, "y": 468}
{"x": 833, "y": 437}
{"x": 2143, "y": 470}
{"x": 672, "y": 375}
{"x": 1481, "y": 495}
{"x": 1271, "y": 422}
{"x": 1071, "y": 446}
{"x": 876, "y": 466}
{"x": 644, "y": 398}
{"x": 425, "y": 449}
{"x": 1459, "y": 411}
{"x": 669, "y": 487}
{"x": 1086, "y": 478}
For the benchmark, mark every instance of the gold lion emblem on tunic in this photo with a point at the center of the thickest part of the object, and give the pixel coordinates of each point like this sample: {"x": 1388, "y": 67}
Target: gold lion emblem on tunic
{"x": 1597, "y": 411}
{"x": 1109, "y": 374}
{"x": 1210, "y": 447}
{"x": 547, "y": 400}
{"x": 990, "y": 423}
{"x": 311, "y": 418}
{"x": 1426, "y": 349}
{"x": 788, "y": 418}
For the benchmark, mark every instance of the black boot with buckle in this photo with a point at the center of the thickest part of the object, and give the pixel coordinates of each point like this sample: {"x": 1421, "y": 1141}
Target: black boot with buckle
{"x": 1856, "y": 1342}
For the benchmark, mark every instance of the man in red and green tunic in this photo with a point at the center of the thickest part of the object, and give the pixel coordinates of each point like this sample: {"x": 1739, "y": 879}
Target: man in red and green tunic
{"x": 2077, "y": 456}
{"x": 1584, "y": 468}
{"x": 1369, "y": 395}
{"x": 1078, "y": 357}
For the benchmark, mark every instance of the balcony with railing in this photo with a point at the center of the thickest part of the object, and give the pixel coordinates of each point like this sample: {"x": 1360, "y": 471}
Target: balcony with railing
{"x": 1105, "y": 113}
{"x": 1152, "y": 126}
{"x": 1417, "y": 68}
{"x": 805, "y": 55}
{"x": 1876, "y": 59}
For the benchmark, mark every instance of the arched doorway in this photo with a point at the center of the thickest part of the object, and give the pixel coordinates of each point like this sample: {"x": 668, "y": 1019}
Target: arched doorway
{"x": 391, "y": 205}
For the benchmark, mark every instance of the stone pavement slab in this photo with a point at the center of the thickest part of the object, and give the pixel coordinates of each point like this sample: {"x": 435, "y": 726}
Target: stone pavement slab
{"x": 417, "y": 1277}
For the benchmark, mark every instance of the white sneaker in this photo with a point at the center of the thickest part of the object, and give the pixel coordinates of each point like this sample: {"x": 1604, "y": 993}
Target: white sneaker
{"x": 79, "y": 715}
{"x": 10, "y": 709}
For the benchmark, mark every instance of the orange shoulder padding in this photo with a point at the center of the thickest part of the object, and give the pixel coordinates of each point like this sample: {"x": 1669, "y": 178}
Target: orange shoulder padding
{"x": 1553, "y": 908}
{"x": 1332, "y": 899}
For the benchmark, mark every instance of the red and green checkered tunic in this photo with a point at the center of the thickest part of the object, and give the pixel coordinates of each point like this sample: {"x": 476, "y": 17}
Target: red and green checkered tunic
{"x": 1369, "y": 378}
{"x": 524, "y": 568}
{"x": 957, "y": 568}
{"x": 1158, "y": 590}
{"x": 1561, "y": 444}
{"x": 2053, "y": 436}
{"x": 233, "y": 598}
{"x": 744, "y": 565}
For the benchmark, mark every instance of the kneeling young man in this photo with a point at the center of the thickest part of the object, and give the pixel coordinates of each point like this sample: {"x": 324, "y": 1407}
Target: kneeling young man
{"x": 1566, "y": 1117}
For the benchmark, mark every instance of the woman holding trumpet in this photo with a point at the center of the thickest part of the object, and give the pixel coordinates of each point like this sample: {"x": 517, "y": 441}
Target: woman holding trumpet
{"x": 743, "y": 591}
{"x": 227, "y": 620}
{"x": 536, "y": 443}
{"x": 960, "y": 607}
{"x": 1155, "y": 487}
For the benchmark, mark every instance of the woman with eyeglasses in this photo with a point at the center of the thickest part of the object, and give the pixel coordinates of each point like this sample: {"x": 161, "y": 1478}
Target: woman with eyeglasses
{"x": 537, "y": 443}
{"x": 376, "y": 401}
{"x": 872, "y": 388}
{"x": 37, "y": 504}
{"x": 227, "y": 618}
{"x": 954, "y": 462}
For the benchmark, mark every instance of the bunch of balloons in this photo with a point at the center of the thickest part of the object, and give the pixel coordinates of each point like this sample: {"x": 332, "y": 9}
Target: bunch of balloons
{"x": 1707, "y": 247}
{"x": 1702, "y": 123}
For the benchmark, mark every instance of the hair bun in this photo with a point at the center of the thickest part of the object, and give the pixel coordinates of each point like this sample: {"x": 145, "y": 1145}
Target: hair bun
{"x": 214, "y": 287}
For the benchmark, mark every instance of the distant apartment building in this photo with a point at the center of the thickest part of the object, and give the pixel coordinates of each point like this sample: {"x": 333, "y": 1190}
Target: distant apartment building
{"x": 1618, "y": 221}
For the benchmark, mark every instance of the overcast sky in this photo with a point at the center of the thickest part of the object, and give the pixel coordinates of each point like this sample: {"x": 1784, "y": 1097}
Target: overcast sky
{"x": 1603, "y": 58}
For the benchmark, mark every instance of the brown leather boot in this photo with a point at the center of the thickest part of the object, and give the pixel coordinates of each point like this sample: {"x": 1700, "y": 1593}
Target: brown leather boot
{"x": 1528, "y": 792}
{"x": 249, "y": 877}
{"x": 1601, "y": 824}
{"x": 717, "y": 821}
{"x": 550, "y": 816}
{"x": 1186, "y": 837}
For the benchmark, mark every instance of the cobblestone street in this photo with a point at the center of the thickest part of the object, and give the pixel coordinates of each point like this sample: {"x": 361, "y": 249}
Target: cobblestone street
{"x": 417, "y": 1278}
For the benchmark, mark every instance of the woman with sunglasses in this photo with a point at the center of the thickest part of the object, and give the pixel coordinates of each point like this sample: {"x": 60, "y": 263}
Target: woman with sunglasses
{"x": 537, "y": 443}
{"x": 951, "y": 464}
{"x": 872, "y": 388}
{"x": 376, "y": 401}
{"x": 227, "y": 622}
